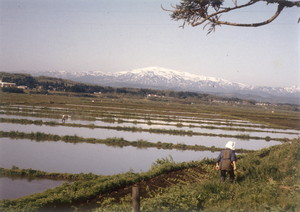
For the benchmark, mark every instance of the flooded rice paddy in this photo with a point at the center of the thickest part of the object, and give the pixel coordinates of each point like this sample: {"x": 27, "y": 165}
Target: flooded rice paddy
{"x": 106, "y": 160}
{"x": 133, "y": 136}
{"x": 86, "y": 158}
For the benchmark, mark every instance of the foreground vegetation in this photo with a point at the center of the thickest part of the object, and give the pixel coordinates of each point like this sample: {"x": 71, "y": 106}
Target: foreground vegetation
{"x": 267, "y": 180}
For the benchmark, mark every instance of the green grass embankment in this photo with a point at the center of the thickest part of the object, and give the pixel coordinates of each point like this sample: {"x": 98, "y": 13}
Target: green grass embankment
{"x": 33, "y": 174}
{"x": 267, "y": 180}
{"x": 82, "y": 191}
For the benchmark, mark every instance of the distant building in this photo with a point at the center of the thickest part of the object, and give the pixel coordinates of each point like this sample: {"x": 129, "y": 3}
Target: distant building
{"x": 24, "y": 87}
{"x": 154, "y": 95}
{"x": 7, "y": 84}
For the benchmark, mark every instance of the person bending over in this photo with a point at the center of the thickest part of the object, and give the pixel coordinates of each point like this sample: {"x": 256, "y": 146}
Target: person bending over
{"x": 226, "y": 161}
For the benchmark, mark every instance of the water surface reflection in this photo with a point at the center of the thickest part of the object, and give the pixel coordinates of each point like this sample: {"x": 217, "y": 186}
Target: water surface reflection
{"x": 274, "y": 133}
{"x": 133, "y": 136}
{"x": 12, "y": 188}
{"x": 85, "y": 158}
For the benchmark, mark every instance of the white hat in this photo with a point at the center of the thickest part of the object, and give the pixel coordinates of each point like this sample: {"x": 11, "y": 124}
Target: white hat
{"x": 230, "y": 145}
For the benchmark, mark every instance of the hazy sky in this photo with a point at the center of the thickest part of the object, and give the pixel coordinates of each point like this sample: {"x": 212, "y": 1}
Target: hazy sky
{"x": 120, "y": 35}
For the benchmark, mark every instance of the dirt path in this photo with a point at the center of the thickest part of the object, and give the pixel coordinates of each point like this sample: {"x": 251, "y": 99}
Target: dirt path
{"x": 190, "y": 175}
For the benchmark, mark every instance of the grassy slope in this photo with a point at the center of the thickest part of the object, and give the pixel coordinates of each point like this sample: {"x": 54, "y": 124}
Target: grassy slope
{"x": 267, "y": 180}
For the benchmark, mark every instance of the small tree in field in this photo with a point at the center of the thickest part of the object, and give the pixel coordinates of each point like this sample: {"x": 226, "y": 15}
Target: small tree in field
{"x": 208, "y": 12}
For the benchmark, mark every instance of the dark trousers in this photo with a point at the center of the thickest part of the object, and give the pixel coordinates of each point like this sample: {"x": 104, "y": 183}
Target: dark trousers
{"x": 225, "y": 172}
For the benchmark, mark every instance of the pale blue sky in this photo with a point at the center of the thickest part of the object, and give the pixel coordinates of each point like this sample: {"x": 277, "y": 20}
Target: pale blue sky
{"x": 120, "y": 35}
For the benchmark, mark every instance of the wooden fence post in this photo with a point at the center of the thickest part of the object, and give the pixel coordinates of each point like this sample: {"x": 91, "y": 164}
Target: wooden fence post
{"x": 136, "y": 198}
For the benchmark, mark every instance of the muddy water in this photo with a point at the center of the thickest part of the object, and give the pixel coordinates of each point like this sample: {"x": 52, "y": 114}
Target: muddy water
{"x": 85, "y": 158}
{"x": 12, "y": 188}
{"x": 133, "y": 136}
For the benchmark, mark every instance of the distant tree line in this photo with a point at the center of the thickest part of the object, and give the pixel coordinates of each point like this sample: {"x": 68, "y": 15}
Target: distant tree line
{"x": 47, "y": 84}
{"x": 19, "y": 79}
{"x": 12, "y": 90}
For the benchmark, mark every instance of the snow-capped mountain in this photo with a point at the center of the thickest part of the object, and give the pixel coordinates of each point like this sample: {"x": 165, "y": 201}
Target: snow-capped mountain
{"x": 171, "y": 78}
{"x": 162, "y": 78}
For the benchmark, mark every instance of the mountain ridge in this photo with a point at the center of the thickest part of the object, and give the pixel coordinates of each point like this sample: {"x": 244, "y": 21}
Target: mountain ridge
{"x": 162, "y": 78}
